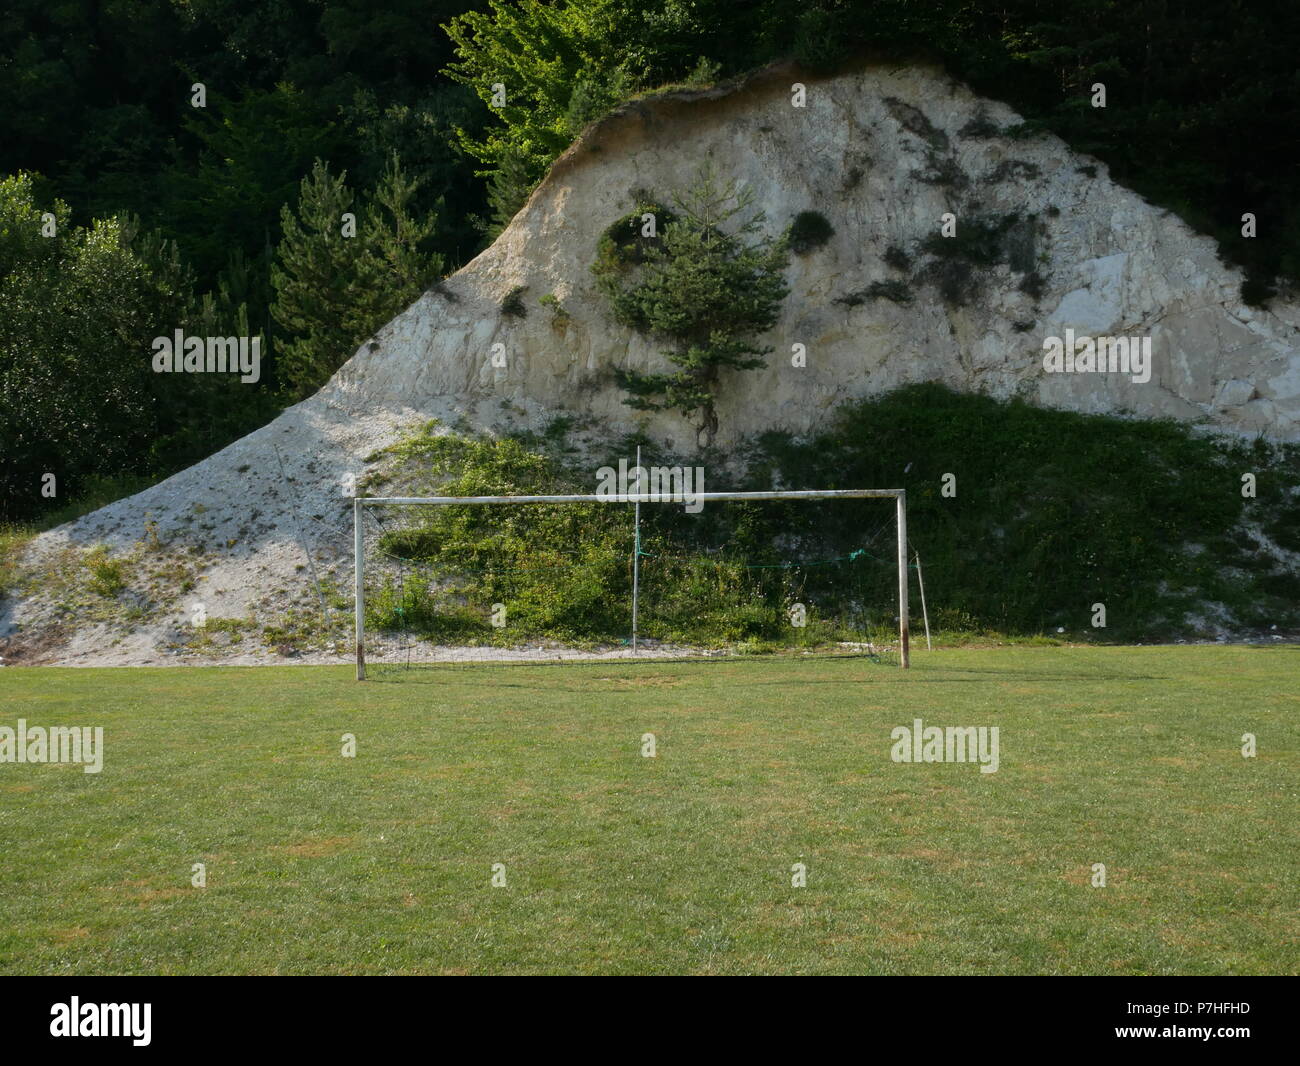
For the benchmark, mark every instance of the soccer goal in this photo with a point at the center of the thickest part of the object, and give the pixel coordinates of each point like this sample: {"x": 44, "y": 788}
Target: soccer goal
{"x": 457, "y": 579}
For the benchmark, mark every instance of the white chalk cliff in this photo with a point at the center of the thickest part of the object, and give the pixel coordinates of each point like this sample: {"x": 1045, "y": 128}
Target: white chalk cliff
{"x": 883, "y": 154}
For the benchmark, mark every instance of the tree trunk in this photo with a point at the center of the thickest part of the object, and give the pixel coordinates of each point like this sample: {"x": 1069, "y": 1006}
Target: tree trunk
{"x": 708, "y": 427}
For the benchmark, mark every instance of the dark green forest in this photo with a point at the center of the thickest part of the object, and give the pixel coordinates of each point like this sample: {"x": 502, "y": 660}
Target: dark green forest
{"x": 220, "y": 220}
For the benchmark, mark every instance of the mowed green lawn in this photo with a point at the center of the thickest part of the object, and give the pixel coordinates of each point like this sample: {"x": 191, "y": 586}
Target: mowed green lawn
{"x": 616, "y": 863}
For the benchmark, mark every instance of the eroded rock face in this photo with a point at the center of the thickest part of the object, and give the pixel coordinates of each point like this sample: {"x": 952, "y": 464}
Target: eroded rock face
{"x": 1051, "y": 245}
{"x": 883, "y": 154}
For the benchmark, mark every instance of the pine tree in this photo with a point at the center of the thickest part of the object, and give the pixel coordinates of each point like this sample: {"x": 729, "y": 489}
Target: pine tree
{"x": 334, "y": 290}
{"x": 707, "y": 290}
{"x": 394, "y": 267}
{"x": 314, "y": 277}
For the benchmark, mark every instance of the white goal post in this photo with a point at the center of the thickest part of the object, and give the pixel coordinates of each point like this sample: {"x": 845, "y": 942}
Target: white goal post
{"x": 358, "y": 535}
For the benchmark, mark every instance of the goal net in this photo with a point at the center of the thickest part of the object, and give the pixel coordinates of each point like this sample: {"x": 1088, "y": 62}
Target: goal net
{"x": 448, "y": 580}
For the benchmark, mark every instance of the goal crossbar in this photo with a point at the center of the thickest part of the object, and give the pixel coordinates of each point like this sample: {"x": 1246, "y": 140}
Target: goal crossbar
{"x": 361, "y": 502}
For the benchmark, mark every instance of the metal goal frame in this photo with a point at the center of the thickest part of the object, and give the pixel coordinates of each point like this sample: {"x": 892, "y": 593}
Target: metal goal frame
{"x": 358, "y": 535}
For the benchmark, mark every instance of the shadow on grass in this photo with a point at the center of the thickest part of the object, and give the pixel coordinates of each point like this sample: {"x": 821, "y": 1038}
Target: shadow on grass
{"x": 490, "y": 673}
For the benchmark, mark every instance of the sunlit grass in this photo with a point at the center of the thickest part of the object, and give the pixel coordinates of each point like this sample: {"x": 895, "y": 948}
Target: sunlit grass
{"x": 617, "y": 863}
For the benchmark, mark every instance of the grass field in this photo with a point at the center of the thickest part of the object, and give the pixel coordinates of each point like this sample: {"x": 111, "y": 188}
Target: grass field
{"x": 616, "y": 863}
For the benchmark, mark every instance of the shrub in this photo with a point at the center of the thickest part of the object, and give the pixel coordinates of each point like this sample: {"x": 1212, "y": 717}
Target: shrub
{"x": 978, "y": 241}
{"x": 633, "y": 238}
{"x": 513, "y": 304}
{"x": 954, "y": 278}
{"x": 978, "y": 244}
{"x": 564, "y": 573}
{"x": 552, "y": 302}
{"x": 809, "y": 231}
{"x": 1032, "y": 285}
{"x": 106, "y": 577}
{"x": 704, "y": 74}
{"x": 1057, "y": 511}
{"x": 898, "y": 259}
{"x": 992, "y": 562}
{"x": 896, "y": 291}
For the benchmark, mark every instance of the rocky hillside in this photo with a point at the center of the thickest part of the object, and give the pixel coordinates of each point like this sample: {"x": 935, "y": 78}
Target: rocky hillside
{"x": 1045, "y": 243}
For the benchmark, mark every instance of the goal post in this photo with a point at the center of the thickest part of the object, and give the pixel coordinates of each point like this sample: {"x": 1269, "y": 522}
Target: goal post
{"x": 361, "y": 503}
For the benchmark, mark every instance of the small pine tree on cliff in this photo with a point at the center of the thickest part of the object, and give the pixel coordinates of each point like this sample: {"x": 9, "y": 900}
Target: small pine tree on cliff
{"x": 701, "y": 278}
